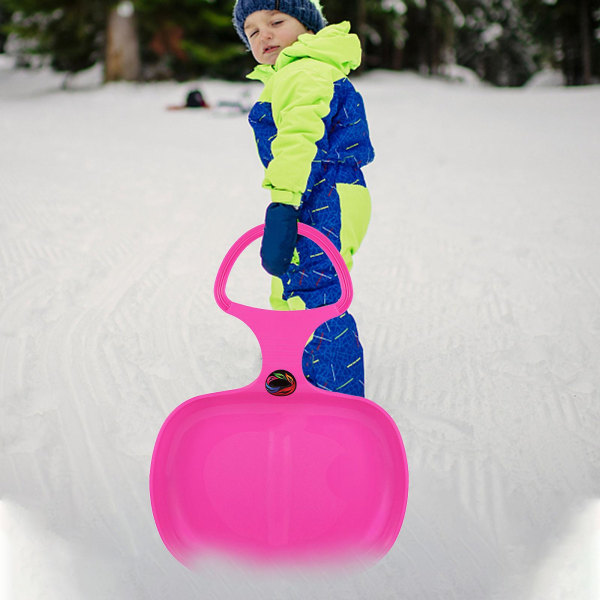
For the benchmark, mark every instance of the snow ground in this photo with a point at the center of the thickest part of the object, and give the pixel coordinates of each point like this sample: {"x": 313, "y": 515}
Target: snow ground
{"x": 477, "y": 294}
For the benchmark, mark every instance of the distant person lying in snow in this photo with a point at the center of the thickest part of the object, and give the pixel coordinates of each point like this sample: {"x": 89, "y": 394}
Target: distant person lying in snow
{"x": 194, "y": 99}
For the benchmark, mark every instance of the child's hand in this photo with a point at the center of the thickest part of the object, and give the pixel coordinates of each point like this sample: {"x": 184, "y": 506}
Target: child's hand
{"x": 279, "y": 238}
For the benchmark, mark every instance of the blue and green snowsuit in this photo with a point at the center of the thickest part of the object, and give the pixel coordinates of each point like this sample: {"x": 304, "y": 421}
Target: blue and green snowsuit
{"x": 312, "y": 137}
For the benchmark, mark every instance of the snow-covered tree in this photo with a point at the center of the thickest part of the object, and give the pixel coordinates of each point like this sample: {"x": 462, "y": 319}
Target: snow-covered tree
{"x": 430, "y": 27}
{"x": 496, "y": 41}
{"x": 68, "y": 32}
{"x": 174, "y": 38}
{"x": 504, "y": 41}
{"x": 569, "y": 34}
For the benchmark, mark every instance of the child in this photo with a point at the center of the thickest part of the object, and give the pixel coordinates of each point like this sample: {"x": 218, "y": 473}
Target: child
{"x": 312, "y": 137}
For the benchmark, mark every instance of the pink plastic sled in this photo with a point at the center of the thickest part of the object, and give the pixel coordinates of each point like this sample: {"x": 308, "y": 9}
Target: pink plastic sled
{"x": 279, "y": 470}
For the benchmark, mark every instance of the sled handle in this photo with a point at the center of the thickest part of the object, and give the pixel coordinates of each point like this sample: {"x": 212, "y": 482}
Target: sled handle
{"x": 311, "y": 233}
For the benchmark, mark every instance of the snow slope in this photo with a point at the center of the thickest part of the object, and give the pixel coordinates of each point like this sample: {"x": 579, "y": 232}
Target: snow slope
{"x": 477, "y": 293}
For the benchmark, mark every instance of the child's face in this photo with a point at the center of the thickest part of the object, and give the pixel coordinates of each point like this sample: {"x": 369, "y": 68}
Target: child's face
{"x": 269, "y": 32}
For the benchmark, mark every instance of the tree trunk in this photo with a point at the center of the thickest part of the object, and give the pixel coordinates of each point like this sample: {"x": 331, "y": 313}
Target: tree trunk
{"x": 433, "y": 62}
{"x": 122, "y": 45}
{"x": 586, "y": 46}
{"x": 361, "y": 19}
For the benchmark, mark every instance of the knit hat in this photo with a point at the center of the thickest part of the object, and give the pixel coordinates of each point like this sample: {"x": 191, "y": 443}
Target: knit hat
{"x": 308, "y": 12}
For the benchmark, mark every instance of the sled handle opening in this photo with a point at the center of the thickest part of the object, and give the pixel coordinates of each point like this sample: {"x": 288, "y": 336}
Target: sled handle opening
{"x": 311, "y": 233}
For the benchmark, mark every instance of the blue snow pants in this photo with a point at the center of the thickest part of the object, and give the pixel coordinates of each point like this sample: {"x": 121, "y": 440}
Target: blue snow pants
{"x": 333, "y": 358}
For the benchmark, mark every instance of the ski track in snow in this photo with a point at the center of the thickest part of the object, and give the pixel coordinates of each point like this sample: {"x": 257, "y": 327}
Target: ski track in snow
{"x": 477, "y": 294}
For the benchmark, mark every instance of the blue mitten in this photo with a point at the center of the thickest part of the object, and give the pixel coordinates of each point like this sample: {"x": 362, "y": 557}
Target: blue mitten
{"x": 279, "y": 238}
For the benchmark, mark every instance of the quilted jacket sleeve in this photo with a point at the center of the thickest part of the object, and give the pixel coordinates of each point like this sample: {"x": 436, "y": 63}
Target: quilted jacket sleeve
{"x": 301, "y": 99}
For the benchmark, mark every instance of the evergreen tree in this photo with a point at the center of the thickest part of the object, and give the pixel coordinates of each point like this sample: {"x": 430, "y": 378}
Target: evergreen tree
{"x": 385, "y": 33}
{"x": 200, "y": 39}
{"x": 5, "y": 18}
{"x": 187, "y": 38}
{"x": 430, "y": 28}
{"x": 504, "y": 41}
{"x": 569, "y": 34}
{"x": 70, "y": 32}
{"x": 496, "y": 41}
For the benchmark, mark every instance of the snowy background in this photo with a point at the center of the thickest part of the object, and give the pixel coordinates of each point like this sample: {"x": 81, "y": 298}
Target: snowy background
{"x": 477, "y": 294}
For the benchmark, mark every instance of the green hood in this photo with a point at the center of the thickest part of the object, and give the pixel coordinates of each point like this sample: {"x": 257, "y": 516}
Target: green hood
{"x": 334, "y": 45}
